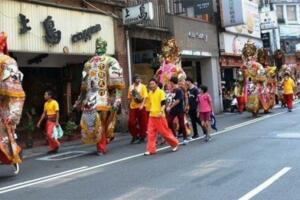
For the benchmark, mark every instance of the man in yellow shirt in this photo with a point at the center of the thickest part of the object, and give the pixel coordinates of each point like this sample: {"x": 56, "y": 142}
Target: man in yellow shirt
{"x": 137, "y": 120}
{"x": 288, "y": 91}
{"x": 157, "y": 120}
{"x": 51, "y": 112}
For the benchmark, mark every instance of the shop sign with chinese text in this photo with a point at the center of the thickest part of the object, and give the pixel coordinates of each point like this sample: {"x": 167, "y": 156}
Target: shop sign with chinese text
{"x": 138, "y": 14}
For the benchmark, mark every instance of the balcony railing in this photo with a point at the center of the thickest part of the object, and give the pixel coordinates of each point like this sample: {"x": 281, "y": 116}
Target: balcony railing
{"x": 159, "y": 19}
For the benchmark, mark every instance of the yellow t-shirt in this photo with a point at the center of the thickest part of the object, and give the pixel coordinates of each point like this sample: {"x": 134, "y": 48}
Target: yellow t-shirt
{"x": 288, "y": 86}
{"x": 147, "y": 104}
{"x": 155, "y": 99}
{"x": 142, "y": 89}
{"x": 51, "y": 107}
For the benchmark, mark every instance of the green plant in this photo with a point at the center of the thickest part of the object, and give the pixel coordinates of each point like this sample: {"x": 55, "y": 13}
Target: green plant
{"x": 30, "y": 125}
{"x": 70, "y": 127}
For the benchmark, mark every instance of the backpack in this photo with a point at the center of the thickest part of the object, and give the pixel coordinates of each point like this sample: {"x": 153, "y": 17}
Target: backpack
{"x": 136, "y": 96}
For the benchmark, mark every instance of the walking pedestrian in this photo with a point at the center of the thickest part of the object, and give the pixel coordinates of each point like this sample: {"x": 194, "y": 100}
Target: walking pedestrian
{"x": 176, "y": 109}
{"x": 288, "y": 91}
{"x": 157, "y": 121}
{"x": 137, "y": 120}
{"x": 51, "y": 113}
{"x": 205, "y": 109}
{"x": 193, "y": 93}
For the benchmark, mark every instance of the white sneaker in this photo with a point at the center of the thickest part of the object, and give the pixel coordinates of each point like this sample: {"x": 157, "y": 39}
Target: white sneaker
{"x": 185, "y": 142}
{"x": 175, "y": 148}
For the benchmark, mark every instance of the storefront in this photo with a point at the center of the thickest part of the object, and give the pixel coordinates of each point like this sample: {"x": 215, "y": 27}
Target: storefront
{"x": 146, "y": 29}
{"x": 231, "y": 46}
{"x": 51, "y": 45}
{"x": 199, "y": 48}
{"x": 145, "y": 50}
{"x": 241, "y": 24}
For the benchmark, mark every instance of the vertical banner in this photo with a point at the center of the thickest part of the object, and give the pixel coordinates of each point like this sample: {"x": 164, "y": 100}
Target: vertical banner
{"x": 232, "y": 12}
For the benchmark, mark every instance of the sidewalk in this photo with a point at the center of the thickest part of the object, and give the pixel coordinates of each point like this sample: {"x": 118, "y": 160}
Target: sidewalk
{"x": 223, "y": 120}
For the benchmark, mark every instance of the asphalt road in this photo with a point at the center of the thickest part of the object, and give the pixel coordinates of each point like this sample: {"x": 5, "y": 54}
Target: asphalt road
{"x": 247, "y": 158}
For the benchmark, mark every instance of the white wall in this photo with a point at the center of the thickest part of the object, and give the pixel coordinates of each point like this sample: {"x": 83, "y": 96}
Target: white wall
{"x": 233, "y": 43}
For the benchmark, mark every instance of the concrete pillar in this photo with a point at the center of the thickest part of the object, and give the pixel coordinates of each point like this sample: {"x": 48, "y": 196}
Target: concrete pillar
{"x": 210, "y": 72}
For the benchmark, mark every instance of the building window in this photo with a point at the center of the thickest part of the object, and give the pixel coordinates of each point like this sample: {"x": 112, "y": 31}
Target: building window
{"x": 200, "y": 9}
{"x": 190, "y": 12}
{"x": 291, "y": 13}
{"x": 279, "y": 13}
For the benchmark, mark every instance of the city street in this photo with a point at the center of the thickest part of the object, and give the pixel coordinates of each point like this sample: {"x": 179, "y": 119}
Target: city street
{"x": 247, "y": 158}
{"x": 80, "y": 72}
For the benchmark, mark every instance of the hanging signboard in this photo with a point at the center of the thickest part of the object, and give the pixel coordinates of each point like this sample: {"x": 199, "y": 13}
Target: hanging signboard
{"x": 251, "y": 27}
{"x": 44, "y": 29}
{"x": 203, "y": 7}
{"x": 232, "y": 12}
{"x": 268, "y": 20}
{"x": 138, "y": 14}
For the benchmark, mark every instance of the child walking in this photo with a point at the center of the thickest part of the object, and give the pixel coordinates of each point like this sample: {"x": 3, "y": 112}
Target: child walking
{"x": 205, "y": 109}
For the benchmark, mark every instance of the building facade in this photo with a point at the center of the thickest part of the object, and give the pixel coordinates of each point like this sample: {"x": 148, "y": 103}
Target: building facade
{"x": 144, "y": 38}
{"x": 288, "y": 14}
{"x": 233, "y": 37}
{"x": 192, "y": 24}
{"x": 52, "y": 39}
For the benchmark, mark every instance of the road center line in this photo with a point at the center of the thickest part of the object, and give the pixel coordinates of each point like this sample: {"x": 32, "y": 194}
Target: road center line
{"x": 265, "y": 184}
{"x": 85, "y": 168}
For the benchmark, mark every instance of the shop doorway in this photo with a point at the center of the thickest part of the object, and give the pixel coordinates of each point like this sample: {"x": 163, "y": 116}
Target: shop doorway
{"x": 193, "y": 70}
{"x": 145, "y": 57}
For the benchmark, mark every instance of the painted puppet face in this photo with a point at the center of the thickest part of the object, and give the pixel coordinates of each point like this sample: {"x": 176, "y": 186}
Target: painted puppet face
{"x": 101, "y": 46}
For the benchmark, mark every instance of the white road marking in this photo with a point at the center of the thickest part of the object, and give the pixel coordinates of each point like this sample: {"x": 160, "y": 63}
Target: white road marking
{"x": 254, "y": 121}
{"x": 56, "y": 157}
{"x": 39, "y": 180}
{"x": 251, "y": 121}
{"x": 85, "y": 168}
{"x": 288, "y": 135}
{"x": 265, "y": 184}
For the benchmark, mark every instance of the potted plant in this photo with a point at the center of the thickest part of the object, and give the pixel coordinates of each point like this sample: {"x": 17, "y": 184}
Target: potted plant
{"x": 70, "y": 129}
{"x": 30, "y": 128}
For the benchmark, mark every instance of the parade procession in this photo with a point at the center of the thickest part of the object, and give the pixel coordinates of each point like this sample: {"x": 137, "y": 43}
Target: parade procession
{"x": 162, "y": 99}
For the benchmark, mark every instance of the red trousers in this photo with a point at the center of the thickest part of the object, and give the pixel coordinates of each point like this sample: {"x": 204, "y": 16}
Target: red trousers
{"x": 101, "y": 145}
{"x": 182, "y": 128}
{"x": 241, "y": 103}
{"x": 140, "y": 118}
{"x": 159, "y": 125}
{"x": 53, "y": 144}
{"x": 288, "y": 99}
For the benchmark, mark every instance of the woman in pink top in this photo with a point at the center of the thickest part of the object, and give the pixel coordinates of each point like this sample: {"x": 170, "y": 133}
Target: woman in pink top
{"x": 205, "y": 109}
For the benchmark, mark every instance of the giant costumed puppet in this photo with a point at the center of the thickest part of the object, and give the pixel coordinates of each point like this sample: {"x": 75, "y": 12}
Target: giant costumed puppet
{"x": 12, "y": 97}
{"x": 257, "y": 94}
{"x": 282, "y": 67}
{"x": 170, "y": 67}
{"x": 170, "y": 59}
{"x": 271, "y": 74}
{"x": 100, "y": 97}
